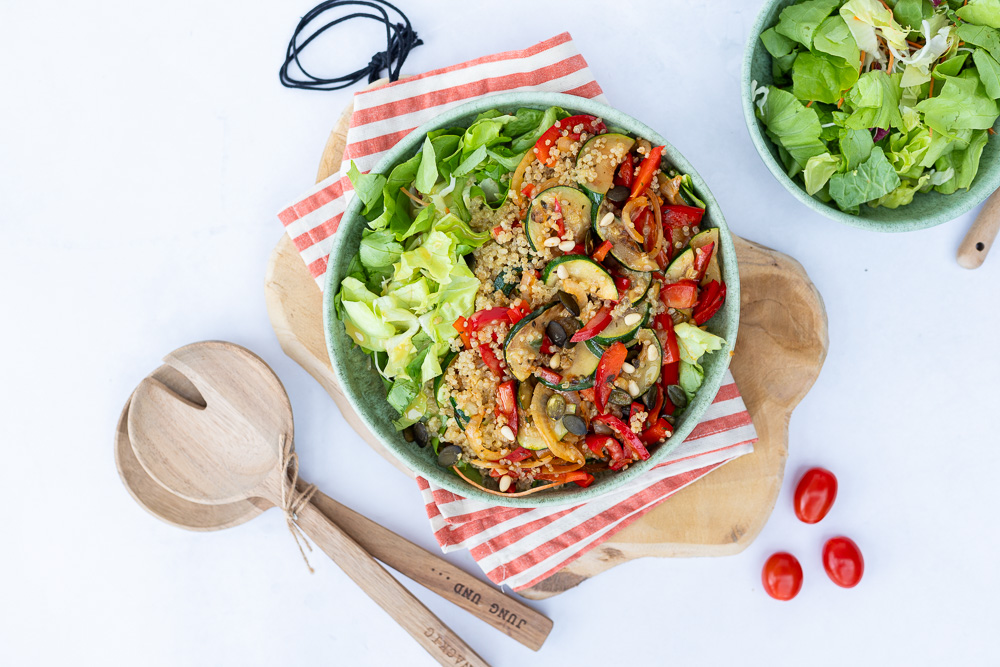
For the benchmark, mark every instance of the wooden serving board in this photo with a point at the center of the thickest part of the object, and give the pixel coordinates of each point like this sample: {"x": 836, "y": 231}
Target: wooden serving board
{"x": 779, "y": 352}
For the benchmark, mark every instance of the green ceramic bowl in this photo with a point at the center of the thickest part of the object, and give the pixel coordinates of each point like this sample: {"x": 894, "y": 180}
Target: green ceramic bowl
{"x": 363, "y": 386}
{"x": 927, "y": 209}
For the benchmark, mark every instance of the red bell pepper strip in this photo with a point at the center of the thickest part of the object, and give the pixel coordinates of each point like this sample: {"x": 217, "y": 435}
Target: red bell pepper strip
{"x": 588, "y": 395}
{"x": 480, "y": 318}
{"x": 462, "y": 327}
{"x": 517, "y": 311}
{"x": 546, "y": 346}
{"x": 682, "y": 294}
{"x": 622, "y": 283}
{"x": 671, "y": 374}
{"x": 518, "y": 455}
{"x": 506, "y": 404}
{"x": 599, "y": 443}
{"x": 596, "y": 325}
{"x": 528, "y": 190}
{"x": 677, "y": 215}
{"x": 664, "y": 325}
{"x": 647, "y": 170}
{"x": 582, "y": 478}
{"x": 658, "y": 432}
{"x": 548, "y": 139}
{"x": 602, "y": 251}
{"x": 712, "y": 298}
{"x": 490, "y": 359}
{"x": 549, "y": 375}
{"x": 626, "y": 170}
{"x": 578, "y": 249}
{"x": 635, "y": 409}
{"x": 654, "y": 414}
{"x": 702, "y": 256}
{"x": 630, "y": 439}
{"x": 608, "y": 369}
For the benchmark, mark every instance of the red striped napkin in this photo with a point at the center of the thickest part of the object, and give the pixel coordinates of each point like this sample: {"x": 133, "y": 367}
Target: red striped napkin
{"x": 517, "y": 547}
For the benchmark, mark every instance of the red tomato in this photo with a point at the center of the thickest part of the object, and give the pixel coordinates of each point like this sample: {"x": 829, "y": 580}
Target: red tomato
{"x": 815, "y": 494}
{"x": 782, "y": 576}
{"x": 843, "y": 562}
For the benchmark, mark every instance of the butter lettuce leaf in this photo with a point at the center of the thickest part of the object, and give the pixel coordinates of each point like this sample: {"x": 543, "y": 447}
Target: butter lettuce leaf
{"x": 872, "y": 179}
{"x": 989, "y": 72}
{"x": 834, "y": 38}
{"x": 821, "y": 77}
{"x": 875, "y": 100}
{"x": 962, "y": 105}
{"x": 818, "y": 171}
{"x": 695, "y": 343}
{"x": 792, "y": 125}
{"x": 981, "y": 12}
{"x": 799, "y": 22}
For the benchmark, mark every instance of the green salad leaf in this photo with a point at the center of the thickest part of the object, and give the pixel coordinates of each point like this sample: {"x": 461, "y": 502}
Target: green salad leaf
{"x": 821, "y": 77}
{"x": 962, "y": 105}
{"x": 981, "y": 12}
{"x": 792, "y": 125}
{"x": 989, "y": 72}
{"x": 694, "y": 343}
{"x": 872, "y": 179}
{"x": 799, "y": 22}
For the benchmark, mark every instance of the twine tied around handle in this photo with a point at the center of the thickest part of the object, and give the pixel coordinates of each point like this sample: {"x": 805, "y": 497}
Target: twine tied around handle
{"x": 293, "y": 500}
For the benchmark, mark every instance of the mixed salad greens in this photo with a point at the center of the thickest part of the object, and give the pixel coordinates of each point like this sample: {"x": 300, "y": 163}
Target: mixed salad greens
{"x": 875, "y": 101}
{"x": 409, "y": 283}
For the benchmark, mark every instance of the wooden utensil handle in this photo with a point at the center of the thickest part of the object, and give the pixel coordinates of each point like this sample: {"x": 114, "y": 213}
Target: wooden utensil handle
{"x": 976, "y": 244}
{"x": 436, "y": 637}
{"x": 504, "y": 613}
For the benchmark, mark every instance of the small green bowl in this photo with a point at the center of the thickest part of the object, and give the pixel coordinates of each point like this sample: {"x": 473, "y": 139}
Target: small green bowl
{"x": 363, "y": 386}
{"x": 928, "y": 209}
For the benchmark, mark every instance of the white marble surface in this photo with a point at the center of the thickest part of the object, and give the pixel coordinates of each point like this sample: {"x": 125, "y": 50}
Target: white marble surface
{"x": 144, "y": 151}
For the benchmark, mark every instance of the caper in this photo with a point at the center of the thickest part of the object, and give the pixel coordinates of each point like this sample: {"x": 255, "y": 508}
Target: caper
{"x": 408, "y": 434}
{"x": 420, "y": 434}
{"x": 649, "y": 398}
{"x": 556, "y": 406}
{"x": 449, "y": 456}
{"x": 618, "y": 194}
{"x": 575, "y": 424}
{"x": 556, "y": 333}
{"x": 620, "y": 397}
{"x": 677, "y": 396}
{"x": 524, "y": 392}
{"x": 569, "y": 302}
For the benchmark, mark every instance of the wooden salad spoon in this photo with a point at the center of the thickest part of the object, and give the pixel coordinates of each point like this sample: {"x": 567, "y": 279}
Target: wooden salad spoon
{"x": 236, "y": 447}
{"x": 976, "y": 244}
{"x": 484, "y": 601}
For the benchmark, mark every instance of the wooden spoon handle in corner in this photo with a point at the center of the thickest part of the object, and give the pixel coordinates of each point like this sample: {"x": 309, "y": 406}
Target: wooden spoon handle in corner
{"x": 430, "y": 632}
{"x": 480, "y": 599}
{"x": 976, "y": 244}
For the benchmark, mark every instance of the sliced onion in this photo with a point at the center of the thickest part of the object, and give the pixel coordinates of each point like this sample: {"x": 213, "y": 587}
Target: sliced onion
{"x": 631, "y": 205}
{"x": 518, "y": 178}
{"x": 658, "y": 227}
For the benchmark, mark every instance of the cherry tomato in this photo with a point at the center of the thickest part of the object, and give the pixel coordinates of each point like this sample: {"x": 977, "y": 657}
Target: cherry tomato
{"x": 782, "y": 576}
{"x": 815, "y": 494}
{"x": 843, "y": 562}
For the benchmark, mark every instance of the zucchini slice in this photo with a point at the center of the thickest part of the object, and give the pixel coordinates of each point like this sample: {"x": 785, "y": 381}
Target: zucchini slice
{"x": 522, "y": 347}
{"x": 584, "y": 277}
{"x": 647, "y": 364}
{"x": 506, "y": 281}
{"x": 681, "y": 268}
{"x": 623, "y": 247}
{"x": 599, "y": 158}
{"x": 546, "y": 426}
{"x": 640, "y": 284}
{"x": 527, "y": 435}
{"x": 619, "y": 330}
{"x": 576, "y": 215}
{"x": 713, "y": 272}
{"x": 580, "y": 374}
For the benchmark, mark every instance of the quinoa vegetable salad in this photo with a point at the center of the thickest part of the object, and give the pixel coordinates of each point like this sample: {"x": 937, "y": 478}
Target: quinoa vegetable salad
{"x": 874, "y": 101}
{"x": 533, "y": 290}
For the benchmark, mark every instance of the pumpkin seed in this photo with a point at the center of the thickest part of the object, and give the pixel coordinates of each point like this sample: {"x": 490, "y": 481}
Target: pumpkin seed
{"x": 420, "y": 434}
{"x": 575, "y": 425}
{"x": 556, "y": 333}
{"x": 649, "y": 398}
{"x": 569, "y": 302}
{"x": 677, "y": 396}
{"x": 618, "y": 194}
{"x": 408, "y": 434}
{"x": 556, "y": 406}
{"x": 619, "y": 397}
{"x": 449, "y": 456}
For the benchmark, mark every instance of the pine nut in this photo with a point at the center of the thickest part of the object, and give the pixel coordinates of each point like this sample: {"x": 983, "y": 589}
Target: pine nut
{"x": 561, "y": 272}
{"x": 607, "y": 219}
{"x": 632, "y": 318}
{"x": 653, "y": 354}
{"x": 628, "y": 368}
{"x": 566, "y": 246}
{"x": 507, "y": 432}
{"x": 551, "y": 242}
{"x": 359, "y": 336}
{"x": 505, "y": 483}
{"x": 633, "y": 388}
{"x": 556, "y": 358}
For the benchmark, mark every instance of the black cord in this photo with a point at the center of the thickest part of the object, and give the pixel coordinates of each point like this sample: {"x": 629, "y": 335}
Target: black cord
{"x": 400, "y": 39}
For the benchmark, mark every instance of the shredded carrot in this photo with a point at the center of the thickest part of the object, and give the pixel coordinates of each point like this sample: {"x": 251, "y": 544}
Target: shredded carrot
{"x": 991, "y": 130}
{"x": 885, "y": 5}
{"x": 915, "y": 45}
{"x": 840, "y": 102}
{"x": 499, "y": 493}
{"x": 931, "y": 92}
{"x": 809, "y": 104}
{"x": 892, "y": 60}
{"x": 416, "y": 200}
